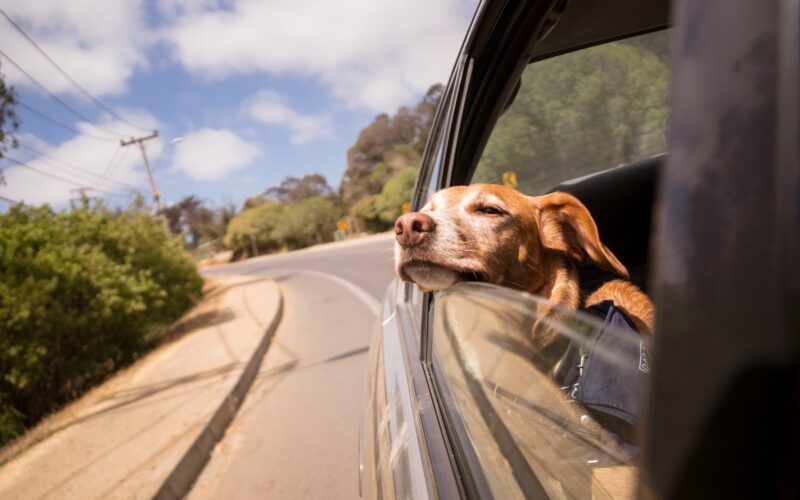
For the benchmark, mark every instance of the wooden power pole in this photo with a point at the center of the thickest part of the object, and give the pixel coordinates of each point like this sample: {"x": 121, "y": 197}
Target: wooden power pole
{"x": 140, "y": 141}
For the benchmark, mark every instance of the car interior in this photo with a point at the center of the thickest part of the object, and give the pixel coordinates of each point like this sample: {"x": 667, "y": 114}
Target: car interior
{"x": 621, "y": 202}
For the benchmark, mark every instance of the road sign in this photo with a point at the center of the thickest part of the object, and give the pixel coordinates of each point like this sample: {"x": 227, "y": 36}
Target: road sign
{"x": 510, "y": 179}
{"x": 406, "y": 207}
{"x": 342, "y": 226}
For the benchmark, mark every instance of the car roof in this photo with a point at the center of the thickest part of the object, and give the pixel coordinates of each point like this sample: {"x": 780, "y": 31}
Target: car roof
{"x": 585, "y": 23}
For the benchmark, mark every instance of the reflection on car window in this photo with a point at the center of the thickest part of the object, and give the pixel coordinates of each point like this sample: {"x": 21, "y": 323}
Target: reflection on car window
{"x": 538, "y": 423}
{"x": 582, "y": 112}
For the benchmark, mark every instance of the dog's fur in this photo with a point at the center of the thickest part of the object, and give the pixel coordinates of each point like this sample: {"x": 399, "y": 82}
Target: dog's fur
{"x": 495, "y": 234}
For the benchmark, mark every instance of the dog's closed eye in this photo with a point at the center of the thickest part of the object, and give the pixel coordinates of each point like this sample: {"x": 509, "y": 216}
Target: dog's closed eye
{"x": 487, "y": 210}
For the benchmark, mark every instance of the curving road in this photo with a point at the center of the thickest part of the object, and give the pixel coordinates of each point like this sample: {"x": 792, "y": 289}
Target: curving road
{"x": 296, "y": 435}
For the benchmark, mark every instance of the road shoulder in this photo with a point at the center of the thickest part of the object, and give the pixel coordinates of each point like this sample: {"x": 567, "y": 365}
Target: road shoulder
{"x": 148, "y": 426}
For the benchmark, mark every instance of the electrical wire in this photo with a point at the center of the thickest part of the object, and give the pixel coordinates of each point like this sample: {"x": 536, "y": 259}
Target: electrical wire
{"x": 58, "y": 99}
{"x": 10, "y": 200}
{"x": 63, "y": 179}
{"x": 67, "y": 76}
{"x": 62, "y": 125}
{"x": 76, "y": 169}
{"x": 112, "y": 166}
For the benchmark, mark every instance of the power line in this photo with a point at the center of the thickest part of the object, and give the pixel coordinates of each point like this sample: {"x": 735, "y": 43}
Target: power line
{"x": 112, "y": 164}
{"x": 63, "y": 72}
{"x": 80, "y": 170}
{"x": 62, "y": 125}
{"x": 63, "y": 179}
{"x": 56, "y": 98}
{"x": 10, "y": 200}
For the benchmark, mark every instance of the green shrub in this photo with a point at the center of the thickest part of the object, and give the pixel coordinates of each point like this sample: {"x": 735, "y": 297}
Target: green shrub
{"x": 304, "y": 223}
{"x": 81, "y": 293}
{"x": 365, "y": 210}
{"x": 279, "y": 225}
{"x": 259, "y": 221}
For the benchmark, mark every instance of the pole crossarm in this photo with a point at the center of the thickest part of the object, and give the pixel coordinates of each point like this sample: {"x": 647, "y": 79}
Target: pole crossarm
{"x": 140, "y": 142}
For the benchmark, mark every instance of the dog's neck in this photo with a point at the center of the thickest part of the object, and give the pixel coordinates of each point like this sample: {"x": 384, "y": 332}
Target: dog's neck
{"x": 560, "y": 284}
{"x": 560, "y": 287}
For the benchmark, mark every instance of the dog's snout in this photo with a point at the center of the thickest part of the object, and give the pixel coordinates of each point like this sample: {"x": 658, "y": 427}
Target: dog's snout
{"x": 412, "y": 228}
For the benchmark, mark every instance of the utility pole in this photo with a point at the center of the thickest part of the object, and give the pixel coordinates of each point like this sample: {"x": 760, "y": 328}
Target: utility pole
{"x": 153, "y": 189}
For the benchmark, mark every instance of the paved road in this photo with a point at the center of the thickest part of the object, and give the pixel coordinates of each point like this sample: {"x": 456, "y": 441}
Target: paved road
{"x": 296, "y": 435}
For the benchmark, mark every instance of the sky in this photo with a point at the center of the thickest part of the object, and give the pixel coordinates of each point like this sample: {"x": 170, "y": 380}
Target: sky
{"x": 243, "y": 93}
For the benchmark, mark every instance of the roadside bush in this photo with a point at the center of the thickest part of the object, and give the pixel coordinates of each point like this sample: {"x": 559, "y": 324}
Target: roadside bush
{"x": 81, "y": 293}
{"x": 307, "y": 222}
{"x": 283, "y": 225}
{"x": 365, "y": 210}
{"x": 259, "y": 221}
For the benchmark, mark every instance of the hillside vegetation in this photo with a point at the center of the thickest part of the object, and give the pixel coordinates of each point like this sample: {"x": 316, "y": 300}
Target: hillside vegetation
{"x": 381, "y": 169}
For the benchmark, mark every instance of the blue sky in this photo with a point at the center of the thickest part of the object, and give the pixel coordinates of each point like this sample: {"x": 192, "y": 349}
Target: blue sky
{"x": 257, "y": 90}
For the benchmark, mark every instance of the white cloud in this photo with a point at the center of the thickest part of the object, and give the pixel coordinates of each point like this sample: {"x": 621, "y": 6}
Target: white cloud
{"x": 376, "y": 54}
{"x": 272, "y": 109}
{"x": 211, "y": 154}
{"x": 97, "y": 42}
{"x": 83, "y": 161}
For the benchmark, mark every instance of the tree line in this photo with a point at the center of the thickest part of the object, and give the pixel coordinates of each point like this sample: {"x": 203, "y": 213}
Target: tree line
{"x": 381, "y": 169}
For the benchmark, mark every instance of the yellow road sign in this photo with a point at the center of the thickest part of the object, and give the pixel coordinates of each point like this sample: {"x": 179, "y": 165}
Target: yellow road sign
{"x": 406, "y": 207}
{"x": 510, "y": 179}
{"x": 342, "y": 226}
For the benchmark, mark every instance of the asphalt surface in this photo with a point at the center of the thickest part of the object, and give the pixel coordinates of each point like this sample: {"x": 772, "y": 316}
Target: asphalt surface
{"x": 366, "y": 263}
{"x": 296, "y": 435}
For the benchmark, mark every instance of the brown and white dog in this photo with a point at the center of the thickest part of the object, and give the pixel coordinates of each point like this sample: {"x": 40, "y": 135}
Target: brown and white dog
{"x": 495, "y": 234}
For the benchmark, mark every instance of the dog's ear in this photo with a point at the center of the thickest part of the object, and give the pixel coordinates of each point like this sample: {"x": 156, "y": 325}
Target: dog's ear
{"x": 567, "y": 227}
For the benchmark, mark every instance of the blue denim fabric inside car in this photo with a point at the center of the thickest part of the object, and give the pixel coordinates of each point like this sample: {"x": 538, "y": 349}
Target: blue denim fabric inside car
{"x": 607, "y": 377}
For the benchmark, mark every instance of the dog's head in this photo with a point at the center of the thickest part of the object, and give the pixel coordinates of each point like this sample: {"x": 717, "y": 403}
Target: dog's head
{"x": 495, "y": 234}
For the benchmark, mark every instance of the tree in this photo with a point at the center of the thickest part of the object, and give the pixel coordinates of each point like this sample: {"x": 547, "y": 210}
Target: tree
{"x": 254, "y": 225}
{"x": 191, "y": 217}
{"x": 396, "y": 192}
{"x": 293, "y": 189}
{"x": 366, "y": 210}
{"x": 373, "y": 159}
{"x": 307, "y": 222}
{"x": 9, "y": 123}
{"x": 602, "y": 106}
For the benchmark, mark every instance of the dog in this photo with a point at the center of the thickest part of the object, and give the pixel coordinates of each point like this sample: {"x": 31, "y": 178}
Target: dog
{"x": 496, "y": 234}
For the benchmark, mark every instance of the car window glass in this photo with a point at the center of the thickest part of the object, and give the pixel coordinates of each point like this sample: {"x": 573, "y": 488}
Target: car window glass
{"x": 533, "y": 422}
{"x": 582, "y": 112}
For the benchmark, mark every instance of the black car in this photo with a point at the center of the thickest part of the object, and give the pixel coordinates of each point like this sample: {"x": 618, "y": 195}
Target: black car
{"x": 676, "y": 124}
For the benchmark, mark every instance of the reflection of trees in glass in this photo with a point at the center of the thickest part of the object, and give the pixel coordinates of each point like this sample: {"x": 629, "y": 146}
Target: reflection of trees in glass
{"x": 583, "y": 112}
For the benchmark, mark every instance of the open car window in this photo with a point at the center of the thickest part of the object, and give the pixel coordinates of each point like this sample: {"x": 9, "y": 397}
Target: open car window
{"x": 582, "y": 112}
{"x": 561, "y": 423}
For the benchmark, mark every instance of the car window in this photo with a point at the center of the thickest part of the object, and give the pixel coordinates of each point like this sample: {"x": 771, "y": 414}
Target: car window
{"x": 580, "y": 113}
{"x": 518, "y": 420}
{"x": 527, "y": 423}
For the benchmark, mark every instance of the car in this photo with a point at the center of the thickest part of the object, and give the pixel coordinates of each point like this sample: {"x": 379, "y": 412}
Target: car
{"x": 677, "y": 125}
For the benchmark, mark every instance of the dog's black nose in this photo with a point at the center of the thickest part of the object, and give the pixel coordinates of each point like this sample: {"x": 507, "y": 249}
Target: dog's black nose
{"x": 410, "y": 229}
